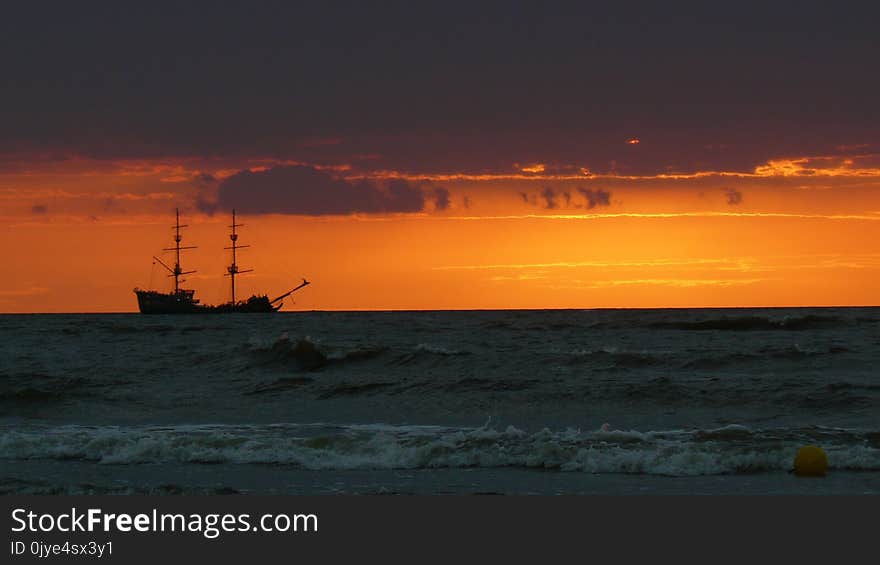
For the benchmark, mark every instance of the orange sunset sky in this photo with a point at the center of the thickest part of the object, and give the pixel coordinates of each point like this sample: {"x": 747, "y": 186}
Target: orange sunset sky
{"x": 516, "y": 158}
{"x": 81, "y": 235}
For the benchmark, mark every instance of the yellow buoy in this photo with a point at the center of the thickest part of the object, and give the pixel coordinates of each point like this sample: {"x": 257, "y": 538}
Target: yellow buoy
{"x": 810, "y": 461}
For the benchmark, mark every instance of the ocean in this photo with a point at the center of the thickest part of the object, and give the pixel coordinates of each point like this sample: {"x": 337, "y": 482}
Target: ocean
{"x": 707, "y": 401}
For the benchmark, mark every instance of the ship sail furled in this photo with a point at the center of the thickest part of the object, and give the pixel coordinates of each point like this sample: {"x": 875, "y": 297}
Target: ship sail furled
{"x": 177, "y": 271}
{"x": 233, "y": 269}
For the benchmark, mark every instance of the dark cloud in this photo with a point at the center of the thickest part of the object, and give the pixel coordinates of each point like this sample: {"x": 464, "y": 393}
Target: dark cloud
{"x": 204, "y": 180}
{"x": 597, "y": 197}
{"x": 441, "y": 198}
{"x": 438, "y": 86}
{"x": 39, "y": 209}
{"x": 206, "y": 197}
{"x": 308, "y": 191}
{"x": 549, "y": 195}
{"x": 734, "y": 196}
{"x": 551, "y": 198}
{"x": 206, "y": 202}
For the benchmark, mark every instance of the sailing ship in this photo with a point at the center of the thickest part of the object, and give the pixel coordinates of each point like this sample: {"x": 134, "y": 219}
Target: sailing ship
{"x": 183, "y": 301}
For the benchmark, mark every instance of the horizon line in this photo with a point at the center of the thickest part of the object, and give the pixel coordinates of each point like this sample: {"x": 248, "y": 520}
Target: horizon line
{"x": 390, "y": 310}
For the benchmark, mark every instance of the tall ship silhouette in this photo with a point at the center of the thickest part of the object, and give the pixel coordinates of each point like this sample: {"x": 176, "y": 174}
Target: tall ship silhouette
{"x": 183, "y": 301}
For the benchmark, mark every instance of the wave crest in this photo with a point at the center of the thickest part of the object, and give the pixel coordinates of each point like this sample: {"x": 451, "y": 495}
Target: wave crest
{"x": 728, "y": 450}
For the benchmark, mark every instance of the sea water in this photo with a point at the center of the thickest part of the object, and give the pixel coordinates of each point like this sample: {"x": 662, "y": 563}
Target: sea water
{"x": 514, "y": 402}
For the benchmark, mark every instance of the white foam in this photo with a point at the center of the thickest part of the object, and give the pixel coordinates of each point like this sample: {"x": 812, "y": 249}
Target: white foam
{"x": 420, "y": 447}
{"x": 437, "y": 349}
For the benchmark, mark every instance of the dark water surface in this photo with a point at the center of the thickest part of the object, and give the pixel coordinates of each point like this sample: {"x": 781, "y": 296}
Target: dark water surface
{"x": 561, "y": 401}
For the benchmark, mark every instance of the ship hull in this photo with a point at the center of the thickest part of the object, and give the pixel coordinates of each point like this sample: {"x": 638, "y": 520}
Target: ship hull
{"x": 152, "y": 302}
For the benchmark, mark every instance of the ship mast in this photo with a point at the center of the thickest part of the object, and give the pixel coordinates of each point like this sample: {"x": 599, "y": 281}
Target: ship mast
{"x": 177, "y": 271}
{"x": 233, "y": 269}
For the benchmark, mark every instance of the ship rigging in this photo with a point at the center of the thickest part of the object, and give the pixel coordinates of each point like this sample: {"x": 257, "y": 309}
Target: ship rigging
{"x": 183, "y": 301}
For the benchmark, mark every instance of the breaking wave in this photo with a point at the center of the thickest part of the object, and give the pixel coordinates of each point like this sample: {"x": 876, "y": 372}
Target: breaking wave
{"x": 612, "y": 357}
{"x": 616, "y": 358}
{"x": 426, "y": 353}
{"x": 307, "y": 355}
{"x": 794, "y": 352}
{"x": 754, "y": 323}
{"x": 729, "y": 450}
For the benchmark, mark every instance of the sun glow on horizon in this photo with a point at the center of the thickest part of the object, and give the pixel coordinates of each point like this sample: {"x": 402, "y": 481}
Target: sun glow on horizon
{"x": 795, "y": 231}
{"x": 536, "y": 168}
